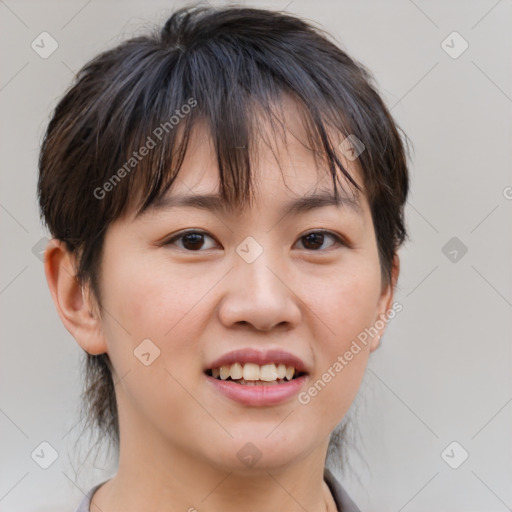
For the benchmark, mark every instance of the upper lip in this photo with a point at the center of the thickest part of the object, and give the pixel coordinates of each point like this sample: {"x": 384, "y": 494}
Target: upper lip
{"x": 260, "y": 357}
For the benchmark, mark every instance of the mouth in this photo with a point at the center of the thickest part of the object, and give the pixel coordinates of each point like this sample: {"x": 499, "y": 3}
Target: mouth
{"x": 257, "y": 378}
{"x": 253, "y": 374}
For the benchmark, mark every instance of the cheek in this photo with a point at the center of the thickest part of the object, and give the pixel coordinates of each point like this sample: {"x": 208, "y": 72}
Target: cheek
{"x": 153, "y": 304}
{"x": 153, "y": 296}
{"x": 347, "y": 302}
{"x": 345, "y": 306}
{"x": 147, "y": 301}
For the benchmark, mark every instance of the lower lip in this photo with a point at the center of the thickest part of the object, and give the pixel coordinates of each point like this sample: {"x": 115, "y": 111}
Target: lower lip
{"x": 260, "y": 394}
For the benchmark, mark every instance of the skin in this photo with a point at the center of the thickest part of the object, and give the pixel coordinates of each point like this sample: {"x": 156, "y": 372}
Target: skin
{"x": 179, "y": 437}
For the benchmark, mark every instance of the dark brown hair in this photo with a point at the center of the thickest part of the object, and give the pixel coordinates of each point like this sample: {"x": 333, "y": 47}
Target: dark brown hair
{"x": 217, "y": 65}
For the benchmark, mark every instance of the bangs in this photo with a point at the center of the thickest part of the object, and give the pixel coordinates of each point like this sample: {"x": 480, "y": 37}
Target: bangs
{"x": 238, "y": 97}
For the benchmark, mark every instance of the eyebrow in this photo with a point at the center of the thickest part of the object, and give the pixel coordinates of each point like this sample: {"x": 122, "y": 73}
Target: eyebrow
{"x": 215, "y": 203}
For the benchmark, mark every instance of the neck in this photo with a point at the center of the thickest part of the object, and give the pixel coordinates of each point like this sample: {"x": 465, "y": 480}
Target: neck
{"x": 166, "y": 480}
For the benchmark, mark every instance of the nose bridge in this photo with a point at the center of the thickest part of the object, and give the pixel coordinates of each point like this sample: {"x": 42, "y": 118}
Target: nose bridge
{"x": 257, "y": 275}
{"x": 257, "y": 291}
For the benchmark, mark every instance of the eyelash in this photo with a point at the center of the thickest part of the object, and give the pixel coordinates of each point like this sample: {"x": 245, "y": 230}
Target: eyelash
{"x": 338, "y": 239}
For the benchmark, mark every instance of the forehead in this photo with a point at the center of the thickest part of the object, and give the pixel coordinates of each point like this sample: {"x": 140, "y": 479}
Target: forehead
{"x": 284, "y": 166}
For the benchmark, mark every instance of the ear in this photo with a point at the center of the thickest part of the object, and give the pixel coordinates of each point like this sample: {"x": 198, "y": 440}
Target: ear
{"x": 385, "y": 303}
{"x": 78, "y": 312}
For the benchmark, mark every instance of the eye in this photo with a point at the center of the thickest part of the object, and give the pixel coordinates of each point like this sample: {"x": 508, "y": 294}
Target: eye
{"x": 315, "y": 239}
{"x": 194, "y": 240}
{"x": 191, "y": 240}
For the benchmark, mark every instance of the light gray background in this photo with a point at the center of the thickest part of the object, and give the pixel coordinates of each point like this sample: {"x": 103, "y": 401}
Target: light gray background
{"x": 443, "y": 372}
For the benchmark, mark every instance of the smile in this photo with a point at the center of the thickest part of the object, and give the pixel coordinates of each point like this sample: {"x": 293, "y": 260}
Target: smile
{"x": 254, "y": 374}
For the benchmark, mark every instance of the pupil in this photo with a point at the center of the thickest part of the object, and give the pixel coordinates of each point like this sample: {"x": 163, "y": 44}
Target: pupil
{"x": 317, "y": 238}
{"x": 193, "y": 240}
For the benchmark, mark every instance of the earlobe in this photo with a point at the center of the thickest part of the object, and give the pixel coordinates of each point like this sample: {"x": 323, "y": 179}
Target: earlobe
{"x": 74, "y": 305}
{"x": 385, "y": 303}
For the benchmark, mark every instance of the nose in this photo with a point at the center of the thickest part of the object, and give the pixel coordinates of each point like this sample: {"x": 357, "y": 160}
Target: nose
{"x": 260, "y": 294}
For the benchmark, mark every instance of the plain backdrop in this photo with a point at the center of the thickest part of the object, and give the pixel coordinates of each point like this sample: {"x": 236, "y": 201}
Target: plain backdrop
{"x": 443, "y": 372}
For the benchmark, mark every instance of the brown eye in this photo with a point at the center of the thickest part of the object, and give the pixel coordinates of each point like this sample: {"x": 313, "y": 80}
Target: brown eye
{"x": 316, "y": 239}
{"x": 190, "y": 240}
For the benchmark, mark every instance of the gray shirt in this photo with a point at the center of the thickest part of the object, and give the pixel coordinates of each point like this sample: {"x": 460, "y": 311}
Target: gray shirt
{"x": 342, "y": 499}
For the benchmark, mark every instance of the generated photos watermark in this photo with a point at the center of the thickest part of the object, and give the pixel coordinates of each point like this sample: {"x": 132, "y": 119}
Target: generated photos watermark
{"x": 355, "y": 348}
{"x": 151, "y": 142}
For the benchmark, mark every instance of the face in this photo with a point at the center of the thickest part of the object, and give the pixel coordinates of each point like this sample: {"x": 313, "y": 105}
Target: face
{"x": 187, "y": 290}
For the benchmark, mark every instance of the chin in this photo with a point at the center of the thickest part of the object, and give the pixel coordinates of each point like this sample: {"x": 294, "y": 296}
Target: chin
{"x": 247, "y": 454}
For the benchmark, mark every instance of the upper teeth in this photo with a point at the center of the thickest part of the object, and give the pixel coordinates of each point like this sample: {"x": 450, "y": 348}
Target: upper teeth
{"x": 252, "y": 371}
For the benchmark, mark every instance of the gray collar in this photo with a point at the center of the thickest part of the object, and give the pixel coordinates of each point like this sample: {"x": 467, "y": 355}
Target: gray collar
{"x": 343, "y": 501}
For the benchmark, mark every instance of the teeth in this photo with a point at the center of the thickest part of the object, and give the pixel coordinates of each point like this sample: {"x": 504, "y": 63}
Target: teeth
{"x": 237, "y": 371}
{"x": 250, "y": 372}
{"x": 257, "y": 383}
{"x": 268, "y": 372}
{"x": 224, "y": 372}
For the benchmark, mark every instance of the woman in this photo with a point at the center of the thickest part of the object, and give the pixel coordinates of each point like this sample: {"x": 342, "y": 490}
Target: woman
{"x": 226, "y": 204}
